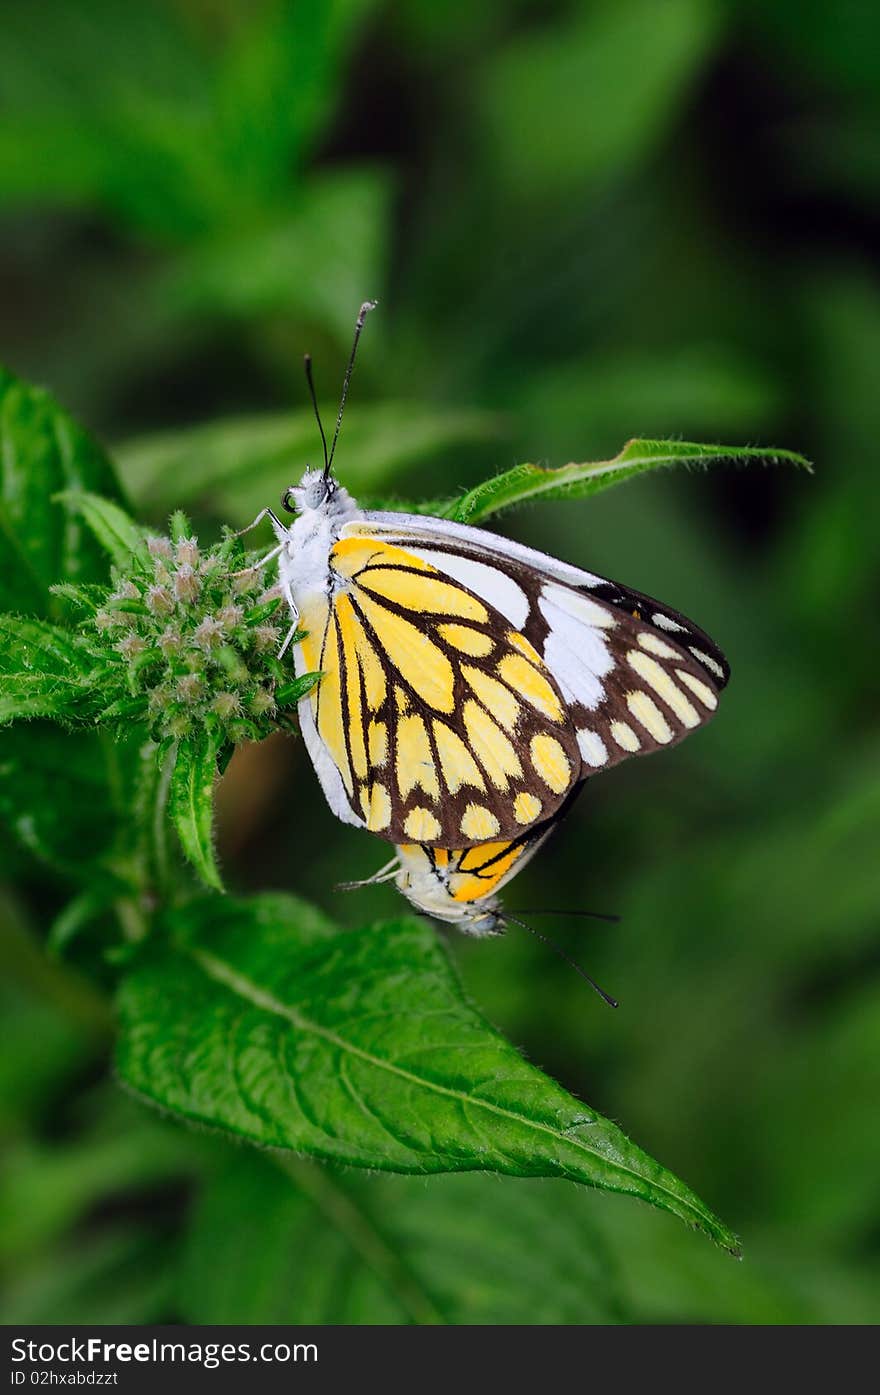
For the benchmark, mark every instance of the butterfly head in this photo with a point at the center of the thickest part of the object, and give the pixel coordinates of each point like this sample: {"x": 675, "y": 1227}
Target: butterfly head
{"x": 318, "y": 492}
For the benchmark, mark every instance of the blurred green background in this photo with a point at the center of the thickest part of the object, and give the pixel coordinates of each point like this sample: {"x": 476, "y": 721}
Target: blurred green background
{"x": 585, "y": 221}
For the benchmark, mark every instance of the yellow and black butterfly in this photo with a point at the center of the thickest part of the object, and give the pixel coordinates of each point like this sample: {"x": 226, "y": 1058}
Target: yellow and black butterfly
{"x": 461, "y": 887}
{"x": 469, "y": 683}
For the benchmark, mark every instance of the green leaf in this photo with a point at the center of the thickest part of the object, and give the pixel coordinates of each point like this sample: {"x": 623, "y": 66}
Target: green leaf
{"x": 323, "y": 1246}
{"x": 191, "y": 802}
{"x": 607, "y": 82}
{"x": 59, "y": 793}
{"x": 290, "y": 693}
{"x": 110, "y": 525}
{"x": 527, "y": 482}
{"x": 44, "y": 452}
{"x": 240, "y": 464}
{"x": 44, "y": 670}
{"x": 89, "y": 598}
{"x": 359, "y": 1048}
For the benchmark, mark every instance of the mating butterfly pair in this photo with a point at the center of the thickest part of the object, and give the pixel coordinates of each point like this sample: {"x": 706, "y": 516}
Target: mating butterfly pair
{"x": 470, "y": 685}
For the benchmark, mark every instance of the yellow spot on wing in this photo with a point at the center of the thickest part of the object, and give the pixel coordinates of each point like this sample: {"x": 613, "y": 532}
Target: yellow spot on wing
{"x": 456, "y": 762}
{"x": 329, "y": 705}
{"x": 414, "y": 759}
{"x": 550, "y": 762}
{"x": 648, "y": 714}
{"x": 490, "y": 746}
{"x": 469, "y": 641}
{"x": 423, "y": 594}
{"x": 314, "y": 615}
{"x": 377, "y": 741}
{"x": 522, "y": 644}
{"x": 420, "y": 825}
{"x": 418, "y": 660}
{"x": 499, "y": 700}
{"x": 479, "y": 823}
{"x": 655, "y": 645}
{"x": 526, "y": 807}
{"x": 352, "y": 680}
{"x": 379, "y": 816}
{"x": 657, "y": 678}
{"x": 698, "y": 688}
{"x": 625, "y": 736}
{"x": 350, "y": 555}
{"x": 375, "y": 685}
{"x": 525, "y": 679}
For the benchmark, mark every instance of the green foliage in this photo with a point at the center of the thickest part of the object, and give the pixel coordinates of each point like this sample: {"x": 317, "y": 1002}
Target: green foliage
{"x": 358, "y": 1048}
{"x": 452, "y": 1250}
{"x": 355, "y": 1048}
{"x": 190, "y": 800}
{"x": 606, "y": 86}
{"x": 44, "y": 669}
{"x": 227, "y": 465}
{"x": 44, "y": 453}
{"x": 524, "y": 483}
{"x": 584, "y": 222}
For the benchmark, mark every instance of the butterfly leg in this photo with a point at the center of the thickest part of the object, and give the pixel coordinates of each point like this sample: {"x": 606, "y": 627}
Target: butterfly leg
{"x": 269, "y": 557}
{"x": 290, "y": 633}
{"x": 384, "y": 874}
{"x": 264, "y": 513}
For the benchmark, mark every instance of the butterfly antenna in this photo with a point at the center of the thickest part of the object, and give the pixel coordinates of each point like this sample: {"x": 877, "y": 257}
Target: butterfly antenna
{"x": 364, "y": 311}
{"x": 311, "y": 382}
{"x": 557, "y": 949}
{"x": 585, "y": 915}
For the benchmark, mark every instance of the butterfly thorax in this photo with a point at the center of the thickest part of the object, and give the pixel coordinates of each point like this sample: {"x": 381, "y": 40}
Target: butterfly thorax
{"x": 322, "y": 510}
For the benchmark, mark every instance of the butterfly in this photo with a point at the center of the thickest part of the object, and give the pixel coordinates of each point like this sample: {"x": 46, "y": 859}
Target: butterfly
{"x": 457, "y": 887}
{"x": 461, "y": 887}
{"x": 469, "y": 683}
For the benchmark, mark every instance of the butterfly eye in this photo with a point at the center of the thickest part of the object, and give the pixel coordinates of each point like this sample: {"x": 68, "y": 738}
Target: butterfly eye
{"x": 285, "y": 500}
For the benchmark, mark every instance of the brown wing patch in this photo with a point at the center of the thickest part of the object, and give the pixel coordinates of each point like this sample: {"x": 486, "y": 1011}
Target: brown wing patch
{"x": 654, "y": 695}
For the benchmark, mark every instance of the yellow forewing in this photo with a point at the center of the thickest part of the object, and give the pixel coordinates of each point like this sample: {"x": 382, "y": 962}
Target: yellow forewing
{"x": 445, "y": 725}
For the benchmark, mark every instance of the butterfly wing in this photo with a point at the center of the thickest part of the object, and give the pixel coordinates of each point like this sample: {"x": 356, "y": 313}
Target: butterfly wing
{"x": 436, "y": 721}
{"x": 635, "y": 674}
{"x": 461, "y": 886}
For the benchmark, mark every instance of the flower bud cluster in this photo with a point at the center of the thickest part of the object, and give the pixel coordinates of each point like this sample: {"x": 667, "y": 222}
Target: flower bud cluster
{"x": 198, "y": 639}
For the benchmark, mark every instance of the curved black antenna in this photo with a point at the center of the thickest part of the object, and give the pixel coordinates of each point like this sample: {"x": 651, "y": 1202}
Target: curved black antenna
{"x": 364, "y": 311}
{"x": 557, "y": 949}
{"x": 311, "y": 382}
{"x": 586, "y": 915}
